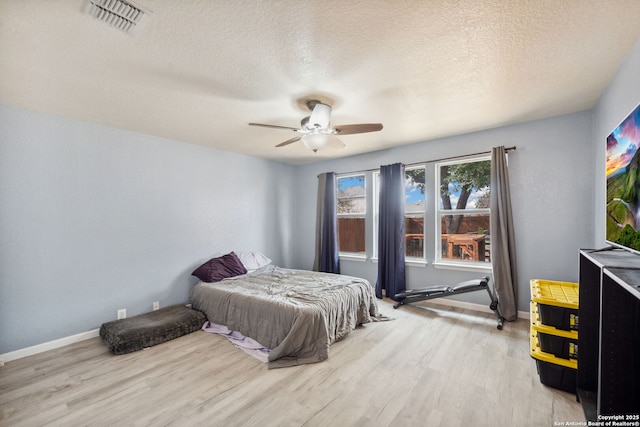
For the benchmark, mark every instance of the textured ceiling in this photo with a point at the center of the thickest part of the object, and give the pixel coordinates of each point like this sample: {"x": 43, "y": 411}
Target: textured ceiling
{"x": 201, "y": 70}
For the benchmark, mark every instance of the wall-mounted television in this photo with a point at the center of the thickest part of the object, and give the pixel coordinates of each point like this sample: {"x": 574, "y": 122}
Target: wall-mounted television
{"x": 623, "y": 184}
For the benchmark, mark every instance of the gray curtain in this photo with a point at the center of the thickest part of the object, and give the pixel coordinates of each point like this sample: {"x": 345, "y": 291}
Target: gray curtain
{"x": 327, "y": 257}
{"x": 503, "y": 247}
{"x": 391, "y": 274}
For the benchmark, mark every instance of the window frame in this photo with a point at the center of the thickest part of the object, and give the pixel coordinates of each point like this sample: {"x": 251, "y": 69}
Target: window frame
{"x": 439, "y": 261}
{"x": 421, "y": 259}
{"x": 348, "y": 254}
{"x": 409, "y": 260}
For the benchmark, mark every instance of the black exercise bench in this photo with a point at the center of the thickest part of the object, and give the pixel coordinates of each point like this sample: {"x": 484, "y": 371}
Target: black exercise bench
{"x": 432, "y": 292}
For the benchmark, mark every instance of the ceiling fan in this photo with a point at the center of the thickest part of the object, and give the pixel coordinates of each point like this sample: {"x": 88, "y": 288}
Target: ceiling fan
{"x": 316, "y": 131}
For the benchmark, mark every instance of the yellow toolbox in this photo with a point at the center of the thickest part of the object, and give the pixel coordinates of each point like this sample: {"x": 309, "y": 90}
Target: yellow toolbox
{"x": 557, "y": 342}
{"x": 554, "y": 371}
{"x": 557, "y": 303}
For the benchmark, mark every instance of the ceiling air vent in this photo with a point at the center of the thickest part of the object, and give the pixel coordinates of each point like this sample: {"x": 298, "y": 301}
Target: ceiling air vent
{"x": 120, "y": 14}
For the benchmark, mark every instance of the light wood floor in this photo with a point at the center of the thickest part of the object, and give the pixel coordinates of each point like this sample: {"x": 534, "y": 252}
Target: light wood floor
{"x": 435, "y": 366}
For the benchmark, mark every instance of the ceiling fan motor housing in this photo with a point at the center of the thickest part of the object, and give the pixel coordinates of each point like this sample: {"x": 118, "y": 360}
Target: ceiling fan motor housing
{"x": 320, "y": 115}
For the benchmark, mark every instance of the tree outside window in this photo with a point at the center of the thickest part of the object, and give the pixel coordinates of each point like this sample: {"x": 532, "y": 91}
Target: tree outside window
{"x": 414, "y": 212}
{"x": 464, "y": 211}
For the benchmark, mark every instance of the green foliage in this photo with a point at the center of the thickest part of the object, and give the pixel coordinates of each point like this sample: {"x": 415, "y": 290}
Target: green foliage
{"x": 416, "y": 178}
{"x": 629, "y": 237}
{"x": 465, "y": 176}
{"x": 623, "y": 186}
{"x": 622, "y": 202}
{"x": 618, "y": 211}
{"x": 484, "y": 200}
{"x": 613, "y": 231}
{"x": 615, "y": 187}
{"x": 630, "y": 192}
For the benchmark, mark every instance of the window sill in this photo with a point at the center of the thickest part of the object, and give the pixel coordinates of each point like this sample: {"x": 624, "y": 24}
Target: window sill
{"x": 352, "y": 257}
{"x": 463, "y": 266}
{"x": 416, "y": 262}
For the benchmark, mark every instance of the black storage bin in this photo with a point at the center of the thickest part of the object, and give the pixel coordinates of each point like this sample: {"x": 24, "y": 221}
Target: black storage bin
{"x": 557, "y": 303}
{"x": 557, "y": 376}
{"x": 559, "y": 317}
{"x": 566, "y": 348}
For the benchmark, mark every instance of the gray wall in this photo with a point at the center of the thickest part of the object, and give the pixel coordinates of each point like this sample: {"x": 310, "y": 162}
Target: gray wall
{"x": 551, "y": 188}
{"x": 620, "y": 98}
{"x": 93, "y": 219}
{"x": 557, "y": 187}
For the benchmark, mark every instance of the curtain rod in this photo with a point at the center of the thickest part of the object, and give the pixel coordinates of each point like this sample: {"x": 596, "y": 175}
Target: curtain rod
{"x": 439, "y": 160}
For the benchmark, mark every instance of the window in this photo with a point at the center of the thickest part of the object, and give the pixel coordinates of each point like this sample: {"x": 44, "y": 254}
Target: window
{"x": 463, "y": 213}
{"x": 351, "y": 211}
{"x": 414, "y": 211}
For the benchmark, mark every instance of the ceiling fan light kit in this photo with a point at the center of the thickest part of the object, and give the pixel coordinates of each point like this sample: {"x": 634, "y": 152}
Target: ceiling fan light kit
{"x": 316, "y": 131}
{"x": 315, "y": 141}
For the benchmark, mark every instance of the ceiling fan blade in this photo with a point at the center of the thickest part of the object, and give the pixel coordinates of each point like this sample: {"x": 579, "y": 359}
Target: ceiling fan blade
{"x": 289, "y": 141}
{"x": 335, "y": 142}
{"x": 273, "y": 126}
{"x": 320, "y": 116}
{"x": 359, "y": 128}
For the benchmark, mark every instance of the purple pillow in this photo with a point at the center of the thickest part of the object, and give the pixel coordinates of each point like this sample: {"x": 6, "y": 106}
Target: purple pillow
{"x": 219, "y": 268}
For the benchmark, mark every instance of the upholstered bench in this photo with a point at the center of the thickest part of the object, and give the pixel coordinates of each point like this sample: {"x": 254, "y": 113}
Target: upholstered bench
{"x": 149, "y": 329}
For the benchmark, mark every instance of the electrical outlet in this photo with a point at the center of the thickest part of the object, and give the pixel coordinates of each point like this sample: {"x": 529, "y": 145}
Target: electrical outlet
{"x": 156, "y": 305}
{"x": 122, "y": 313}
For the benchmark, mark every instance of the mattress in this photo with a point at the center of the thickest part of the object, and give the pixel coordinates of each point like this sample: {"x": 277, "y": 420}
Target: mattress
{"x": 297, "y": 314}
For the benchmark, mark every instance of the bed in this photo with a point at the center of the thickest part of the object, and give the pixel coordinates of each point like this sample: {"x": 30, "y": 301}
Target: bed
{"x": 297, "y": 314}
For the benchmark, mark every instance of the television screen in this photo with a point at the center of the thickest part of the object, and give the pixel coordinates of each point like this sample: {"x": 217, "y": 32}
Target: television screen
{"x": 623, "y": 183}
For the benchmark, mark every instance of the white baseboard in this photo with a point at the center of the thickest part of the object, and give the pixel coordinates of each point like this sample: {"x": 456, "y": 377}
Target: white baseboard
{"x": 472, "y": 306}
{"x": 51, "y": 345}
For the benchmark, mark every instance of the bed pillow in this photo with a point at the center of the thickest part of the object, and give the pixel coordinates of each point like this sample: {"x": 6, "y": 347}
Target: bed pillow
{"x": 219, "y": 268}
{"x": 253, "y": 260}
